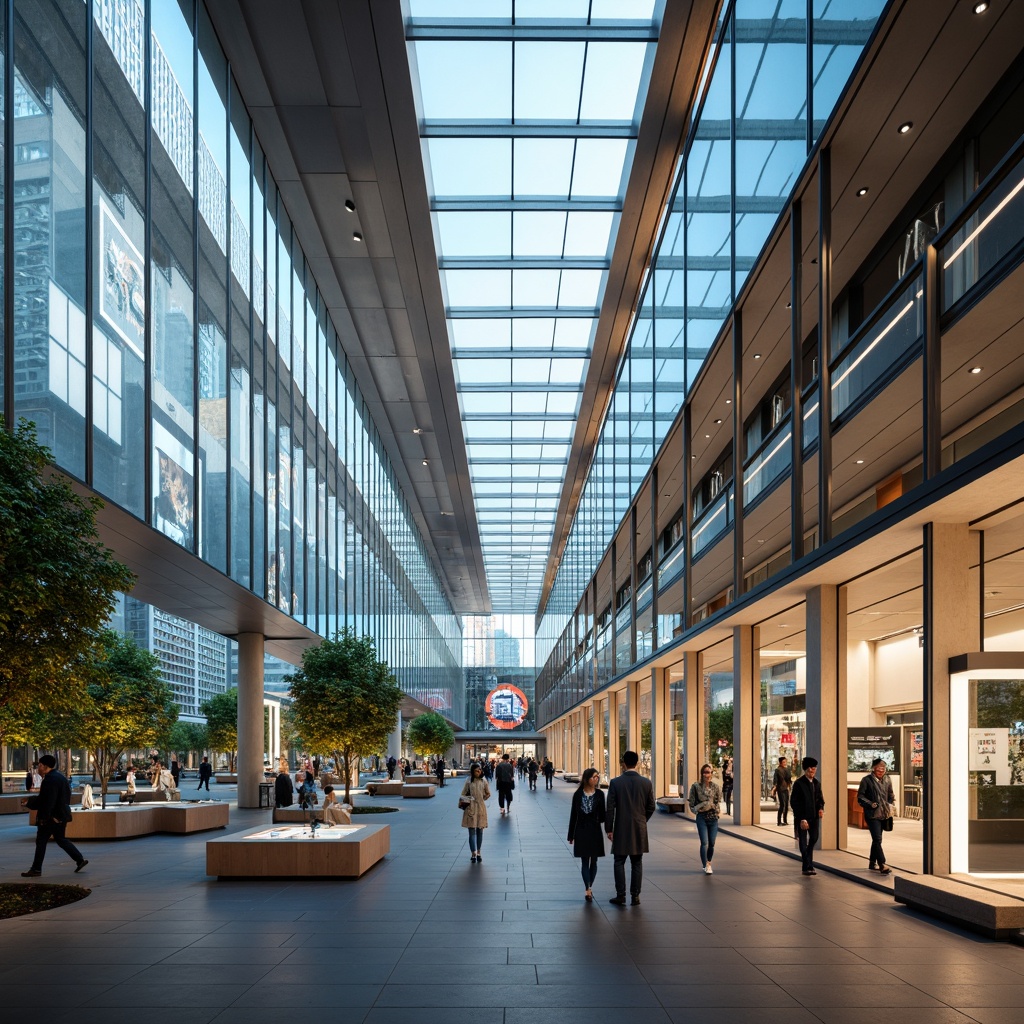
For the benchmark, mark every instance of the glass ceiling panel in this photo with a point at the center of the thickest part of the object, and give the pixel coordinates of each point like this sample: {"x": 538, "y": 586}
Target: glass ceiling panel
{"x": 524, "y": 230}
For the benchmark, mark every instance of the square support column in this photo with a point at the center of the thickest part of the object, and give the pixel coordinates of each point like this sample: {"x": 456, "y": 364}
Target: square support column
{"x": 250, "y": 718}
{"x": 599, "y": 736}
{"x": 826, "y": 706}
{"x": 951, "y": 627}
{"x": 661, "y": 721}
{"x": 693, "y": 719}
{"x": 632, "y": 695}
{"x": 746, "y": 728}
{"x": 614, "y": 747}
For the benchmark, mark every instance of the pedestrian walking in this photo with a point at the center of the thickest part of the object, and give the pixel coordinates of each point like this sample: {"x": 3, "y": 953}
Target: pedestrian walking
{"x": 175, "y": 770}
{"x": 473, "y": 801}
{"x": 439, "y": 771}
{"x": 548, "y": 769}
{"x": 875, "y": 795}
{"x": 782, "y": 783}
{"x": 629, "y": 807}
{"x": 586, "y": 816}
{"x": 392, "y": 763}
{"x": 52, "y": 805}
{"x": 505, "y": 779}
{"x": 531, "y": 770}
{"x": 808, "y": 805}
{"x": 283, "y": 790}
{"x": 705, "y": 798}
{"x": 205, "y": 771}
{"x": 727, "y": 783}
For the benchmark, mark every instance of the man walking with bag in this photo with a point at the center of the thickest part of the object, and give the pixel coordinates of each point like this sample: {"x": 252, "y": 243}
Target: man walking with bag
{"x": 875, "y": 795}
{"x": 630, "y": 805}
{"x": 53, "y": 813}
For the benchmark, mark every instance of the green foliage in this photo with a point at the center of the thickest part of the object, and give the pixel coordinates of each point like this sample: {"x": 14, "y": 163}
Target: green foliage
{"x": 720, "y": 728}
{"x": 128, "y": 704}
{"x": 221, "y": 711}
{"x": 344, "y": 700}
{"x": 59, "y": 585}
{"x": 188, "y": 737}
{"x": 430, "y": 734}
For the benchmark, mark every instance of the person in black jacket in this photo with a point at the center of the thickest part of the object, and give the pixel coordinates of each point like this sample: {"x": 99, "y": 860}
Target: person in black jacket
{"x": 205, "y": 771}
{"x": 629, "y": 807}
{"x": 283, "y": 790}
{"x": 505, "y": 776}
{"x": 808, "y": 806}
{"x": 53, "y": 812}
{"x": 585, "y": 833}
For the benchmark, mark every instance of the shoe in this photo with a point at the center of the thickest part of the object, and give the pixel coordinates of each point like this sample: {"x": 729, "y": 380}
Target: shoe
{"x": 472, "y": 860}
{"x": 885, "y": 870}
{"x": 619, "y": 901}
{"x": 634, "y": 901}
{"x": 479, "y": 859}
{"x": 81, "y": 864}
{"x": 588, "y": 896}
{"x": 810, "y": 872}
{"x": 708, "y": 870}
{"x": 32, "y": 873}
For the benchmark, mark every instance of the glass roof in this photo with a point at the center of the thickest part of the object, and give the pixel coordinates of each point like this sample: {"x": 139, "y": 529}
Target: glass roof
{"x": 528, "y": 114}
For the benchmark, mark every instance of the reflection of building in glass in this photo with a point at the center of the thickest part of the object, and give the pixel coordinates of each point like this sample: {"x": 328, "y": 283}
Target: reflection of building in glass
{"x": 497, "y": 681}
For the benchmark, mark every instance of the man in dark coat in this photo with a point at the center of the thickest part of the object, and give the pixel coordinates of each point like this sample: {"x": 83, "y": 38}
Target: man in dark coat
{"x": 808, "y": 806}
{"x": 392, "y": 764}
{"x": 782, "y": 783}
{"x": 505, "y": 777}
{"x": 53, "y": 812}
{"x": 439, "y": 770}
{"x": 630, "y": 805}
{"x": 283, "y": 790}
{"x": 205, "y": 771}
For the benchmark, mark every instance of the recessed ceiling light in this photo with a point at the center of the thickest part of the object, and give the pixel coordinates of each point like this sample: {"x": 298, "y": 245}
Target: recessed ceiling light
{"x": 693, "y": 456}
{"x": 905, "y": 127}
{"x": 862, "y": 191}
{"x": 789, "y": 305}
{"x": 350, "y": 206}
{"x": 974, "y": 369}
{"x": 426, "y": 462}
{"x": 728, "y": 401}
{"x": 981, "y": 7}
{"x": 707, "y": 436}
{"x": 357, "y": 236}
{"x": 718, "y": 421}
{"x": 417, "y": 430}
{"x": 757, "y": 355}
{"x": 860, "y": 462}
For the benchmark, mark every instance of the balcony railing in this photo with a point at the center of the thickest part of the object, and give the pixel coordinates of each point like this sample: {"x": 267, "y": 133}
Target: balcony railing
{"x": 717, "y": 518}
{"x": 768, "y": 463}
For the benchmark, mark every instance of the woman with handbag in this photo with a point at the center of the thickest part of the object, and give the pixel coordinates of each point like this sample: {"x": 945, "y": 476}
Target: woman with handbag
{"x": 705, "y": 797}
{"x": 472, "y": 800}
{"x": 875, "y": 795}
{"x": 586, "y": 834}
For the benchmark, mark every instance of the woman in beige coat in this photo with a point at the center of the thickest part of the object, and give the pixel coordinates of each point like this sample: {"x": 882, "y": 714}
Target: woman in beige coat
{"x": 474, "y": 815}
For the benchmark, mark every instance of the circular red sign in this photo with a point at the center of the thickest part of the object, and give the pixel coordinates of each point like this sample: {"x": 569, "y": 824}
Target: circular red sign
{"x": 506, "y": 707}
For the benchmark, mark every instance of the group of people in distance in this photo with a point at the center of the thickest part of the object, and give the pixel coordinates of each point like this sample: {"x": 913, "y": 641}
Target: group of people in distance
{"x": 623, "y": 814}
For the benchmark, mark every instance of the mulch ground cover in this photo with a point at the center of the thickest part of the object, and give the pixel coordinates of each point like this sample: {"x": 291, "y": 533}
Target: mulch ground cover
{"x": 32, "y": 897}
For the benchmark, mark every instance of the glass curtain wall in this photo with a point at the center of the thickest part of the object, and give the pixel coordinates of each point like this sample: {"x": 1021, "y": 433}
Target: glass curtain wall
{"x": 169, "y": 341}
{"x": 754, "y": 128}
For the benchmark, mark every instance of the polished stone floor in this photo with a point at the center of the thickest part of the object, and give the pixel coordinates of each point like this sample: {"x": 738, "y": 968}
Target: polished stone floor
{"x": 427, "y": 937}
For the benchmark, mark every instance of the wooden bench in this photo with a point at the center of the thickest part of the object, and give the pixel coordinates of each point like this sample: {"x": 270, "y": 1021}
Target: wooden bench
{"x": 993, "y": 914}
{"x": 136, "y": 820}
{"x": 418, "y": 791}
{"x": 346, "y": 851}
{"x": 672, "y": 804}
{"x": 384, "y": 788}
{"x": 10, "y": 803}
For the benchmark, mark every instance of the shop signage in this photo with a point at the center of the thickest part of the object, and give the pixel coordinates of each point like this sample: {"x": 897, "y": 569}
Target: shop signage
{"x": 863, "y": 745}
{"x": 506, "y": 707}
{"x": 787, "y": 739}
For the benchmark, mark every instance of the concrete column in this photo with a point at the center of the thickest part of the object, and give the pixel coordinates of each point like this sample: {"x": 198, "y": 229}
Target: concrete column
{"x": 826, "y": 706}
{"x": 693, "y": 719}
{"x": 632, "y": 699}
{"x": 599, "y": 737}
{"x": 661, "y": 723}
{"x": 746, "y": 726}
{"x": 951, "y": 627}
{"x": 614, "y": 751}
{"x": 394, "y": 746}
{"x": 250, "y": 718}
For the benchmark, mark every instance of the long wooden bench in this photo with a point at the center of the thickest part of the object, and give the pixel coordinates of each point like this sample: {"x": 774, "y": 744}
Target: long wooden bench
{"x": 136, "y": 820}
{"x": 384, "y": 788}
{"x": 418, "y": 791}
{"x": 672, "y": 804}
{"x": 993, "y": 914}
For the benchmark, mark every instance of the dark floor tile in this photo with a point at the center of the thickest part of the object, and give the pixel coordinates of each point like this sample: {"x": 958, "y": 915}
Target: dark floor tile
{"x": 141, "y": 997}
{"x": 724, "y": 995}
{"x": 317, "y": 993}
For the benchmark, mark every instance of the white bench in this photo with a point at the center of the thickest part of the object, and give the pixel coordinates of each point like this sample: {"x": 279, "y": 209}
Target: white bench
{"x": 980, "y": 910}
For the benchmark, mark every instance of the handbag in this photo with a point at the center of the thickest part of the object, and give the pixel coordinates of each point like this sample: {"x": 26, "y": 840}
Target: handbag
{"x": 711, "y": 814}
{"x": 464, "y": 802}
{"x": 887, "y": 824}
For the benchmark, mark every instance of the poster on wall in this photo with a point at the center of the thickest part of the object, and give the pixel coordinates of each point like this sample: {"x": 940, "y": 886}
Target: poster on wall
{"x": 122, "y": 290}
{"x": 173, "y": 488}
{"x": 988, "y": 752}
{"x": 506, "y": 707}
{"x": 864, "y": 745}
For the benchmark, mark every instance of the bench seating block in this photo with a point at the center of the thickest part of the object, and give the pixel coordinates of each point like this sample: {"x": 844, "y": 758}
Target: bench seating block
{"x": 135, "y": 820}
{"x": 343, "y": 856}
{"x": 418, "y": 791}
{"x": 295, "y": 815}
{"x": 994, "y": 914}
{"x": 672, "y": 804}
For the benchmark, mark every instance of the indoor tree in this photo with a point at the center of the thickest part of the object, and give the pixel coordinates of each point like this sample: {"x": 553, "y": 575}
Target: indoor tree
{"x": 430, "y": 734}
{"x": 344, "y": 700}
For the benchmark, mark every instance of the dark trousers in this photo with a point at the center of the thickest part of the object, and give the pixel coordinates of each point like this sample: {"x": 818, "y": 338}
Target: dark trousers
{"x": 547, "y": 782}
{"x": 636, "y": 873}
{"x": 808, "y": 840}
{"x": 204, "y": 782}
{"x": 876, "y": 856}
{"x": 505, "y": 796}
{"x": 43, "y": 834}
{"x": 783, "y": 814}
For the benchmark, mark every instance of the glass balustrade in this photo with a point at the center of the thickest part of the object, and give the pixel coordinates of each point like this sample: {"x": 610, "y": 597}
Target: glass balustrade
{"x": 715, "y": 521}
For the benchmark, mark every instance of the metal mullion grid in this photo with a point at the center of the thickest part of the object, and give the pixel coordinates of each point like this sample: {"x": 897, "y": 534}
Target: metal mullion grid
{"x": 199, "y": 497}
{"x": 8, "y": 226}
{"x": 90, "y": 267}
